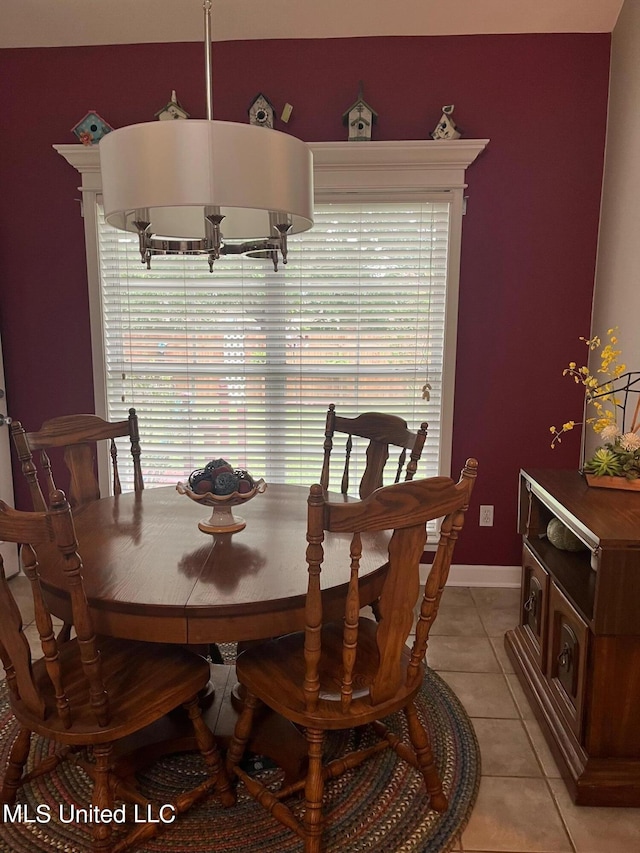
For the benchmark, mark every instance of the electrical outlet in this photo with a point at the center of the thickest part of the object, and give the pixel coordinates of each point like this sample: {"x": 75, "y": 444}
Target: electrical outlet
{"x": 486, "y": 515}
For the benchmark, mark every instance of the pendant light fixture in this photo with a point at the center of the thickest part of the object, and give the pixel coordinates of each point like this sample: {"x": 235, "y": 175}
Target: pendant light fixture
{"x": 199, "y": 186}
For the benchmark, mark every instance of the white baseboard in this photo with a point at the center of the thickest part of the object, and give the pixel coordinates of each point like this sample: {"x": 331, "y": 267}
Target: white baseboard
{"x": 506, "y": 576}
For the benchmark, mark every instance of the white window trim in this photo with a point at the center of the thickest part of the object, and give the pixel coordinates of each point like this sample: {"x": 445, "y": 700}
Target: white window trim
{"x": 378, "y": 172}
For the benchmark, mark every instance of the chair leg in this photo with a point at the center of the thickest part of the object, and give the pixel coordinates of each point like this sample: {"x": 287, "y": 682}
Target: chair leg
{"x": 102, "y": 796}
{"x": 209, "y": 751}
{"x": 242, "y": 731}
{"x": 15, "y": 766}
{"x": 420, "y": 741}
{"x": 313, "y": 791}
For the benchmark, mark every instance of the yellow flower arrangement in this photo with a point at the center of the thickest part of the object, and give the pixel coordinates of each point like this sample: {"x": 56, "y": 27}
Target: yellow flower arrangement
{"x": 608, "y": 396}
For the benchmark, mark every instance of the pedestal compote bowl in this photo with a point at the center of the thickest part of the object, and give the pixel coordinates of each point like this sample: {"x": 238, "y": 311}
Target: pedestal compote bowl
{"x": 222, "y": 519}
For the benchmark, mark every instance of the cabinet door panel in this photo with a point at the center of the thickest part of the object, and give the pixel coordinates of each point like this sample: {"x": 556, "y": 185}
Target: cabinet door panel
{"x": 567, "y": 659}
{"x": 534, "y": 605}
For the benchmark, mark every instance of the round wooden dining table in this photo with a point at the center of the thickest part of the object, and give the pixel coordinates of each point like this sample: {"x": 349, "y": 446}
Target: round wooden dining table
{"x": 151, "y": 574}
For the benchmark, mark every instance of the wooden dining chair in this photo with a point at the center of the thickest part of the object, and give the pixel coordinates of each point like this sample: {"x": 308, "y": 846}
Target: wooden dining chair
{"x": 341, "y": 675}
{"x": 91, "y": 692}
{"x": 76, "y": 435}
{"x": 382, "y": 432}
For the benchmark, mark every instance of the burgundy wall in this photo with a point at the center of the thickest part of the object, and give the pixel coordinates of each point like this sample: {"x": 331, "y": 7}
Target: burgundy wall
{"x": 529, "y": 238}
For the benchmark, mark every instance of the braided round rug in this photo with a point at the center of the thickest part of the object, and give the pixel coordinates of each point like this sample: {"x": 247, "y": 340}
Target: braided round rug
{"x": 378, "y": 806}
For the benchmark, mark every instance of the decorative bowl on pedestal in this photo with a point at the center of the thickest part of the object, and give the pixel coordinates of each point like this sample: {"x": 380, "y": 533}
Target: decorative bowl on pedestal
{"x": 222, "y": 519}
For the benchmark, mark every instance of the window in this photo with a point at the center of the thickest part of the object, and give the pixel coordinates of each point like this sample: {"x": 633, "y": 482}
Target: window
{"x": 255, "y": 343}
{"x": 242, "y": 363}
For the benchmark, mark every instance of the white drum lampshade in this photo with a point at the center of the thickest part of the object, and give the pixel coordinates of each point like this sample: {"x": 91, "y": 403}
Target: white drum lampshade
{"x": 169, "y": 172}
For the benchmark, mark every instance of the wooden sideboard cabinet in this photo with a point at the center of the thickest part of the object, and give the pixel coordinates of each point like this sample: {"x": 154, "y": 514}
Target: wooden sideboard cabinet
{"x": 576, "y": 650}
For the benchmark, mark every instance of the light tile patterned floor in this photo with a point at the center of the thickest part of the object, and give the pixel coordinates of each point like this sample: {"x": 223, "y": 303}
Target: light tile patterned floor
{"x": 523, "y": 805}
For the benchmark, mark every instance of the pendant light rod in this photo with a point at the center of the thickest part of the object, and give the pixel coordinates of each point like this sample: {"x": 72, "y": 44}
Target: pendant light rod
{"x": 208, "y": 49}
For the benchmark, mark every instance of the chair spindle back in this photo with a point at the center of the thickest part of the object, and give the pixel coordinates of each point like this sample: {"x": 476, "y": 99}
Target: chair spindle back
{"x": 49, "y": 535}
{"x": 404, "y": 509}
{"x": 382, "y": 431}
{"x": 77, "y": 435}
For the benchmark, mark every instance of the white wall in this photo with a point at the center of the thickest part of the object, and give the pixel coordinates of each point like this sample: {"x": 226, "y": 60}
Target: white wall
{"x": 617, "y": 291}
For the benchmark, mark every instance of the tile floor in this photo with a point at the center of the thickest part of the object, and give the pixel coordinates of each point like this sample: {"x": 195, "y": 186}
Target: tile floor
{"x": 523, "y": 805}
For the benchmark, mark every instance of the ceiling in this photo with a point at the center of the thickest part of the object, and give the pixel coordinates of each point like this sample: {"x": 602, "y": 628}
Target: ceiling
{"x": 54, "y": 23}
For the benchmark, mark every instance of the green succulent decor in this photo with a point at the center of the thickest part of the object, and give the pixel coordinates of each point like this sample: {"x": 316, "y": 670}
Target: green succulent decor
{"x": 604, "y": 463}
{"x": 608, "y": 397}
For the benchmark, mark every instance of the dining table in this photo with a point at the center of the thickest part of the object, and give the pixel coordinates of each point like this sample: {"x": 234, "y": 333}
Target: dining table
{"x": 150, "y": 573}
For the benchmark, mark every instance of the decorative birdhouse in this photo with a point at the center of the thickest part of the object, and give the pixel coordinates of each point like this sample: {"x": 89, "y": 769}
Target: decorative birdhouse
{"x": 91, "y": 129}
{"x": 172, "y": 110}
{"x": 446, "y": 127}
{"x": 261, "y": 111}
{"x": 360, "y": 118}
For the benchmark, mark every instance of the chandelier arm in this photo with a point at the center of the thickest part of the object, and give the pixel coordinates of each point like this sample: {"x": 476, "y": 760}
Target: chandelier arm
{"x": 163, "y": 246}
{"x": 247, "y": 246}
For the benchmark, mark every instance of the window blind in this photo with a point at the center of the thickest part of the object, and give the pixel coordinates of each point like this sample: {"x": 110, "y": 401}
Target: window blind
{"x": 243, "y": 363}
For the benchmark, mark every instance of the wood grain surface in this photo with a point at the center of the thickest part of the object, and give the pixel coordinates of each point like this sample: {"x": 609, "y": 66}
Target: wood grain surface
{"x": 151, "y": 574}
